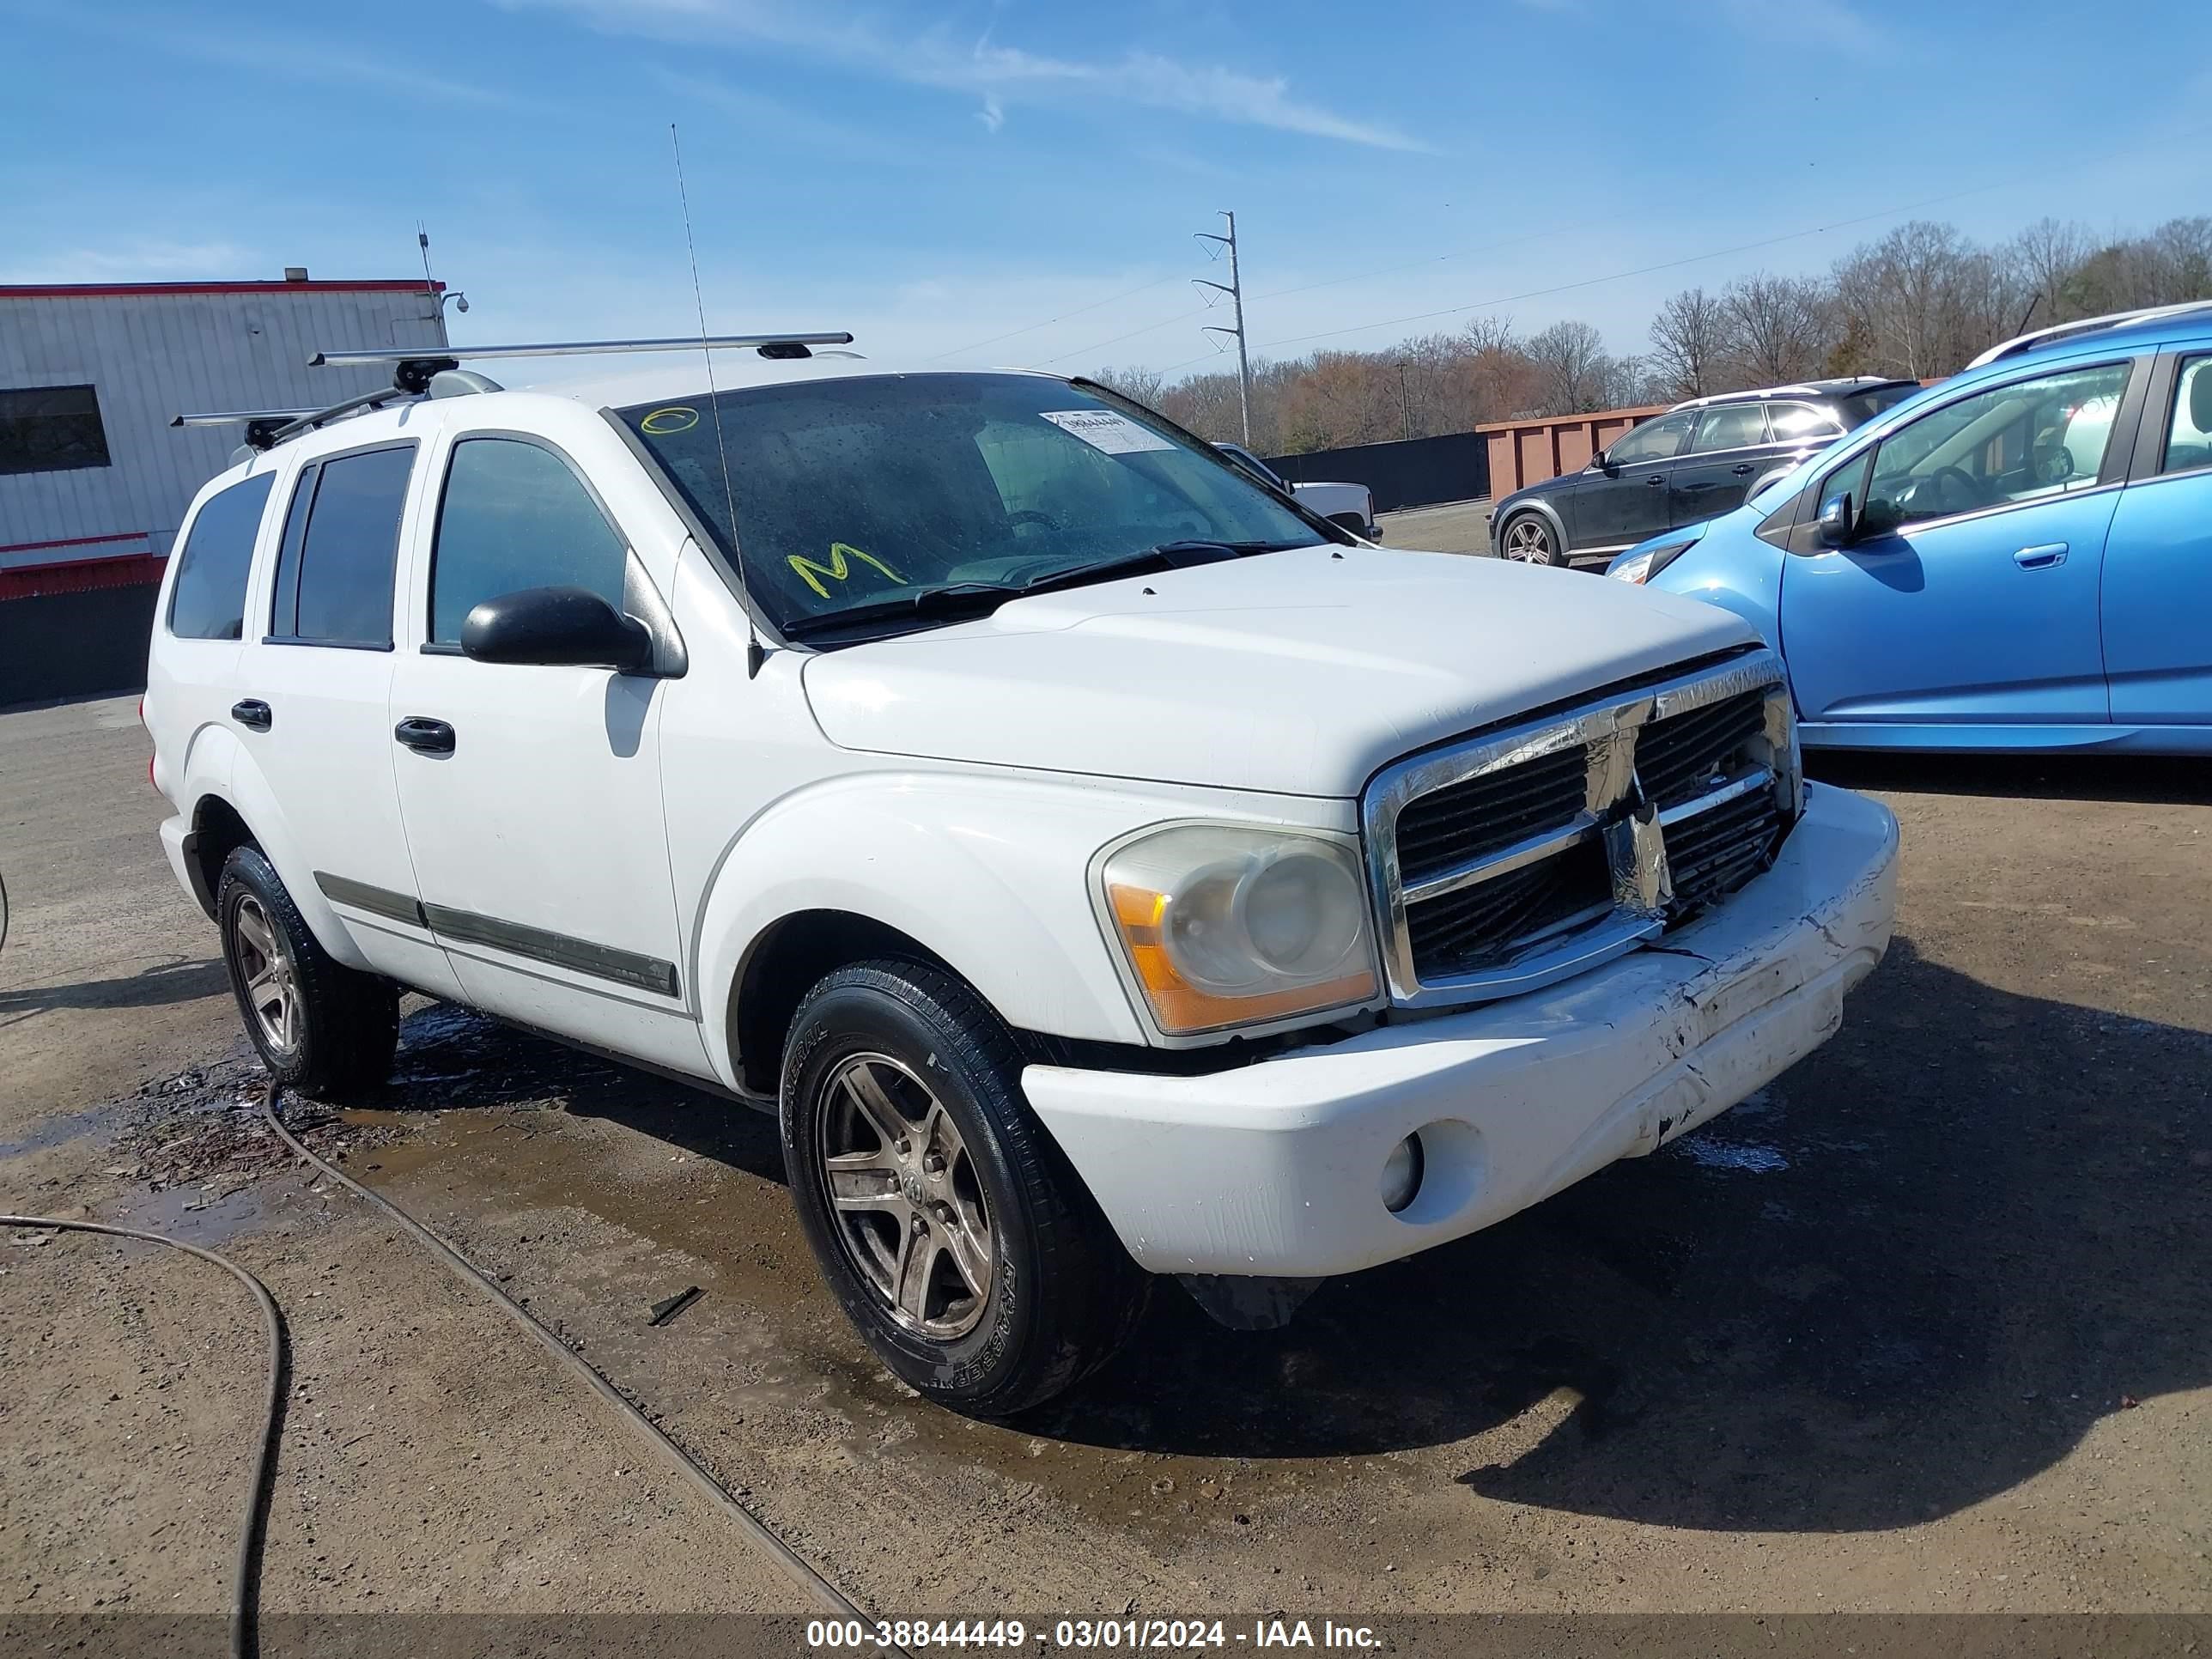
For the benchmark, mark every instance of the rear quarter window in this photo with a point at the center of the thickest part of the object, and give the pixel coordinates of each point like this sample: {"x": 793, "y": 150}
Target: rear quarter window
{"x": 208, "y": 599}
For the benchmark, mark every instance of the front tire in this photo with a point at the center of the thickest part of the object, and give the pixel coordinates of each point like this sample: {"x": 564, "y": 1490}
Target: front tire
{"x": 956, "y": 1235}
{"x": 1527, "y": 539}
{"x": 320, "y": 1027}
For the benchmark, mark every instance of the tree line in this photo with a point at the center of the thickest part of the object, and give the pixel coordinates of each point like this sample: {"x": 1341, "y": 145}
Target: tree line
{"x": 1917, "y": 303}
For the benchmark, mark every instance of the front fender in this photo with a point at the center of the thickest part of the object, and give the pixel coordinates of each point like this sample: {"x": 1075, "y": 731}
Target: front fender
{"x": 990, "y": 874}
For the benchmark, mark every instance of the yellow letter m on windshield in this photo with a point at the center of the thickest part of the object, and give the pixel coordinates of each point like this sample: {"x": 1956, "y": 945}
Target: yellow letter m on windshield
{"x": 840, "y": 567}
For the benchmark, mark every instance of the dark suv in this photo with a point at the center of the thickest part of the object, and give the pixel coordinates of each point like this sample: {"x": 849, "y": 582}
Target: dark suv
{"x": 1697, "y": 461}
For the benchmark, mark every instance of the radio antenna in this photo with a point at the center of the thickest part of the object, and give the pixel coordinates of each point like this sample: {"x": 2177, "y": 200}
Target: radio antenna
{"x": 754, "y": 654}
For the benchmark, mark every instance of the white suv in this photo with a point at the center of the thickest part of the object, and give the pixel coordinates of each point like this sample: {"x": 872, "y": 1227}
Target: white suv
{"x": 1103, "y": 867}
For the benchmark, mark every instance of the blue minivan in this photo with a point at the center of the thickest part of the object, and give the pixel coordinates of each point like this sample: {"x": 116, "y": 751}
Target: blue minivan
{"x": 2019, "y": 557}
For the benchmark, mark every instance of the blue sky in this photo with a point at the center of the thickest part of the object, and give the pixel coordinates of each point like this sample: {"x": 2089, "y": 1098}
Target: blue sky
{"x": 987, "y": 183}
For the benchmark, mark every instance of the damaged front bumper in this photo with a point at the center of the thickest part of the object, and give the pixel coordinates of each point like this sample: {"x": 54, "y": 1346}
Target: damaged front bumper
{"x": 1275, "y": 1169}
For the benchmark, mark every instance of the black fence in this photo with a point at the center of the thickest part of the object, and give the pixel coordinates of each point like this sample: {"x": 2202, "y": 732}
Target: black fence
{"x": 1413, "y": 472}
{"x": 71, "y": 645}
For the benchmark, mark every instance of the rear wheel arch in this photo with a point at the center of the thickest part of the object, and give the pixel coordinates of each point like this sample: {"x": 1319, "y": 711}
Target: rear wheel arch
{"x": 218, "y": 830}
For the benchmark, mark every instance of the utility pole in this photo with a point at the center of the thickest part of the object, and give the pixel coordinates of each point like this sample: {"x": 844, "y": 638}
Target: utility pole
{"x": 1404, "y": 398}
{"x": 1234, "y": 288}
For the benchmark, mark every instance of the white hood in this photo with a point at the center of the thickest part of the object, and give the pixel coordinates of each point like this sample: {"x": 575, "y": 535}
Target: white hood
{"x": 1296, "y": 673}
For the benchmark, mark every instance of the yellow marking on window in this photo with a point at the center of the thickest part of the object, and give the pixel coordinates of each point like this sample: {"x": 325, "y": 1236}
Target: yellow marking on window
{"x": 839, "y": 568}
{"x": 662, "y": 422}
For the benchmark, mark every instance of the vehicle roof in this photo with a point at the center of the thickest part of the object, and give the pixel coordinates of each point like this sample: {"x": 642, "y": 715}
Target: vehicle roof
{"x": 1844, "y": 386}
{"x": 680, "y": 377}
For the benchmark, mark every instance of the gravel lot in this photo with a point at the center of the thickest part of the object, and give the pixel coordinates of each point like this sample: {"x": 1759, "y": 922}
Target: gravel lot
{"x": 1922, "y": 1328}
{"x": 1450, "y": 527}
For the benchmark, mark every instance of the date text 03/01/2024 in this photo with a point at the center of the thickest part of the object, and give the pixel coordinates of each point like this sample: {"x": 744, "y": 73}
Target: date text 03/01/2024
{"x": 1165, "y": 1634}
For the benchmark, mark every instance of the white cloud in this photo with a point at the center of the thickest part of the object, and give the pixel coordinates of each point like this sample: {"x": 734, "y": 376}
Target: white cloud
{"x": 993, "y": 115}
{"x": 1832, "y": 23}
{"x": 998, "y": 73}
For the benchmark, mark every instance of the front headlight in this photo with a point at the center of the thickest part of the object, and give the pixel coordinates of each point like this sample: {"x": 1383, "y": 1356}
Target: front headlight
{"x": 1642, "y": 566}
{"x": 1223, "y": 924}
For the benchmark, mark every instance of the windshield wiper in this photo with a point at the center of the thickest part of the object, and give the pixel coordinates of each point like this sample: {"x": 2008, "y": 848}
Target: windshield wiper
{"x": 960, "y": 599}
{"x": 1167, "y": 555}
{"x": 965, "y": 600}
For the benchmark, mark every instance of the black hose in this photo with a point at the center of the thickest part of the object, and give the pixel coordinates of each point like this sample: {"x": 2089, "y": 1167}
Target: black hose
{"x": 794, "y": 1567}
{"x": 246, "y": 1577}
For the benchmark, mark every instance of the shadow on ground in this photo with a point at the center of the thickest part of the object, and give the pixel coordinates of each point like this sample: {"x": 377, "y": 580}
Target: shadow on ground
{"x": 2169, "y": 781}
{"x": 150, "y": 987}
{"x": 1910, "y": 1275}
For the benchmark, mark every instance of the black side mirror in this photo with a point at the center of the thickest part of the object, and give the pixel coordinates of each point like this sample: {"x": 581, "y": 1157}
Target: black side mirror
{"x": 1605, "y": 464}
{"x": 1836, "y": 520}
{"x": 555, "y": 627}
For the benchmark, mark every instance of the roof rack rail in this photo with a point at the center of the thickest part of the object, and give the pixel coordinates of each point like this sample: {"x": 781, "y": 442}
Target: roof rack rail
{"x": 769, "y": 345}
{"x": 2020, "y": 343}
{"x": 259, "y": 423}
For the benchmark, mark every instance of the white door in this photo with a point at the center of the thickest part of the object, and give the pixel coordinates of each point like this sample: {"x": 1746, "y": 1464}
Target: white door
{"x": 532, "y": 793}
{"x": 314, "y": 702}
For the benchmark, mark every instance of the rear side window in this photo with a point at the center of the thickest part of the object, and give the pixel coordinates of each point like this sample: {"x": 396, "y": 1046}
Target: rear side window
{"x": 1790, "y": 421}
{"x": 2189, "y": 439}
{"x": 208, "y": 599}
{"x": 1862, "y": 406}
{"x": 341, "y": 542}
{"x": 1731, "y": 426}
{"x": 515, "y": 516}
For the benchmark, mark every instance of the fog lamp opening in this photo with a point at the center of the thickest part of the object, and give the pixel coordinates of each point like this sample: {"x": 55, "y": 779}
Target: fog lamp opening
{"x": 1401, "y": 1174}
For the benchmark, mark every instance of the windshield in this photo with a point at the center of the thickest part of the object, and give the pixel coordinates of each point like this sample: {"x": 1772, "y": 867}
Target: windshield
{"x": 874, "y": 489}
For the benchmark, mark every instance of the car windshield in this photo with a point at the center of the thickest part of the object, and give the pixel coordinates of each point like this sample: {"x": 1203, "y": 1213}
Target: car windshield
{"x": 909, "y": 493}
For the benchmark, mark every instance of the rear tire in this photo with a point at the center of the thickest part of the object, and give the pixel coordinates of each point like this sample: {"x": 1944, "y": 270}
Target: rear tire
{"x": 321, "y": 1028}
{"x": 956, "y": 1236}
{"x": 1527, "y": 538}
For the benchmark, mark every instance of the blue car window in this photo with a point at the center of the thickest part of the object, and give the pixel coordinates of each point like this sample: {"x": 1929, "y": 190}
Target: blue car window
{"x": 2011, "y": 443}
{"x": 2189, "y": 438}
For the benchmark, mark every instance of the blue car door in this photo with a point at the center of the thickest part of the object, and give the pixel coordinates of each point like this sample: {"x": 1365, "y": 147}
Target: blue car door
{"x": 2158, "y": 562}
{"x": 1968, "y": 592}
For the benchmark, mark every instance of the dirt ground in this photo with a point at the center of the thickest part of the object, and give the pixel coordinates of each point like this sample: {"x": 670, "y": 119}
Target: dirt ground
{"x": 1920, "y": 1327}
{"x": 1450, "y": 527}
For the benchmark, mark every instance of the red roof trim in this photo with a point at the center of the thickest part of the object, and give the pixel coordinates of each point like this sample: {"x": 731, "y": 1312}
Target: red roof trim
{"x": 155, "y": 290}
{"x": 35, "y": 581}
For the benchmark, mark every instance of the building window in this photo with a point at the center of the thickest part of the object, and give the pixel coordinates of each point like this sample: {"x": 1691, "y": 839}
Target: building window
{"x": 50, "y": 428}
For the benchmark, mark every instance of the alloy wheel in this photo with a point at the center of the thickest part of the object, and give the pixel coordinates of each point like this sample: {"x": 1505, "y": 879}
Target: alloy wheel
{"x": 1526, "y": 540}
{"x": 907, "y": 1199}
{"x": 264, "y": 965}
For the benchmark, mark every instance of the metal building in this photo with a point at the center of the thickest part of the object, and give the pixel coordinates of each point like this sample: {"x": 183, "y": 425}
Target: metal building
{"x": 93, "y": 480}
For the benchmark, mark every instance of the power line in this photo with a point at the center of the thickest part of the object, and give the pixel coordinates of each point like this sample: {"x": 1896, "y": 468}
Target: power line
{"x": 1149, "y": 328}
{"x": 1689, "y": 260}
{"x": 1142, "y": 288}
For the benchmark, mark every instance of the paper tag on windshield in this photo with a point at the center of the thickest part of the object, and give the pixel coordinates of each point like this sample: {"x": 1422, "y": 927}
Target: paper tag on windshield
{"x": 1104, "y": 429}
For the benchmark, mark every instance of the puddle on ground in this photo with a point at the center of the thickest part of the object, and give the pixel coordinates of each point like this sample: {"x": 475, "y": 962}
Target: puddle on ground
{"x": 195, "y": 1215}
{"x": 57, "y": 1131}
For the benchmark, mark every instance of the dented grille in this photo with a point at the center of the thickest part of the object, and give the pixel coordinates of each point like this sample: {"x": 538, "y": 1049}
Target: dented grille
{"x": 1522, "y": 856}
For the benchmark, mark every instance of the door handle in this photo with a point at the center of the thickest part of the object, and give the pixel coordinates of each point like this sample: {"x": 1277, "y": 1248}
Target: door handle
{"x": 252, "y": 713}
{"x": 1741, "y": 470}
{"x": 1655, "y": 481}
{"x": 2040, "y": 558}
{"x": 425, "y": 737}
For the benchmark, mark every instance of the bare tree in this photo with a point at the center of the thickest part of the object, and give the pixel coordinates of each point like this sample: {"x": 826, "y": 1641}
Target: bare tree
{"x": 2047, "y": 260}
{"x": 1144, "y": 385}
{"x": 1778, "y": 328}
{"x": 1906, "y": 294}
{"x": 1572, "y": 367}
{"x": 1689, "y": 337}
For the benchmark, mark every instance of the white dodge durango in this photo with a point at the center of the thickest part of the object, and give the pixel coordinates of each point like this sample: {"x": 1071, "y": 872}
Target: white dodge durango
{"x": 1104, "y": 866}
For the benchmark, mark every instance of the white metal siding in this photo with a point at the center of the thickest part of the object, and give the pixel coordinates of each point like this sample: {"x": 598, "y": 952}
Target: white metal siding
{"x": 153, "y": 356}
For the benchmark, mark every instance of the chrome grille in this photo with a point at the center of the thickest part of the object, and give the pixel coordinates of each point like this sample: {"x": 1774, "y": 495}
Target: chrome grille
{"x": 1466, "y": 820}
{"x": 1517, "y": 858}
